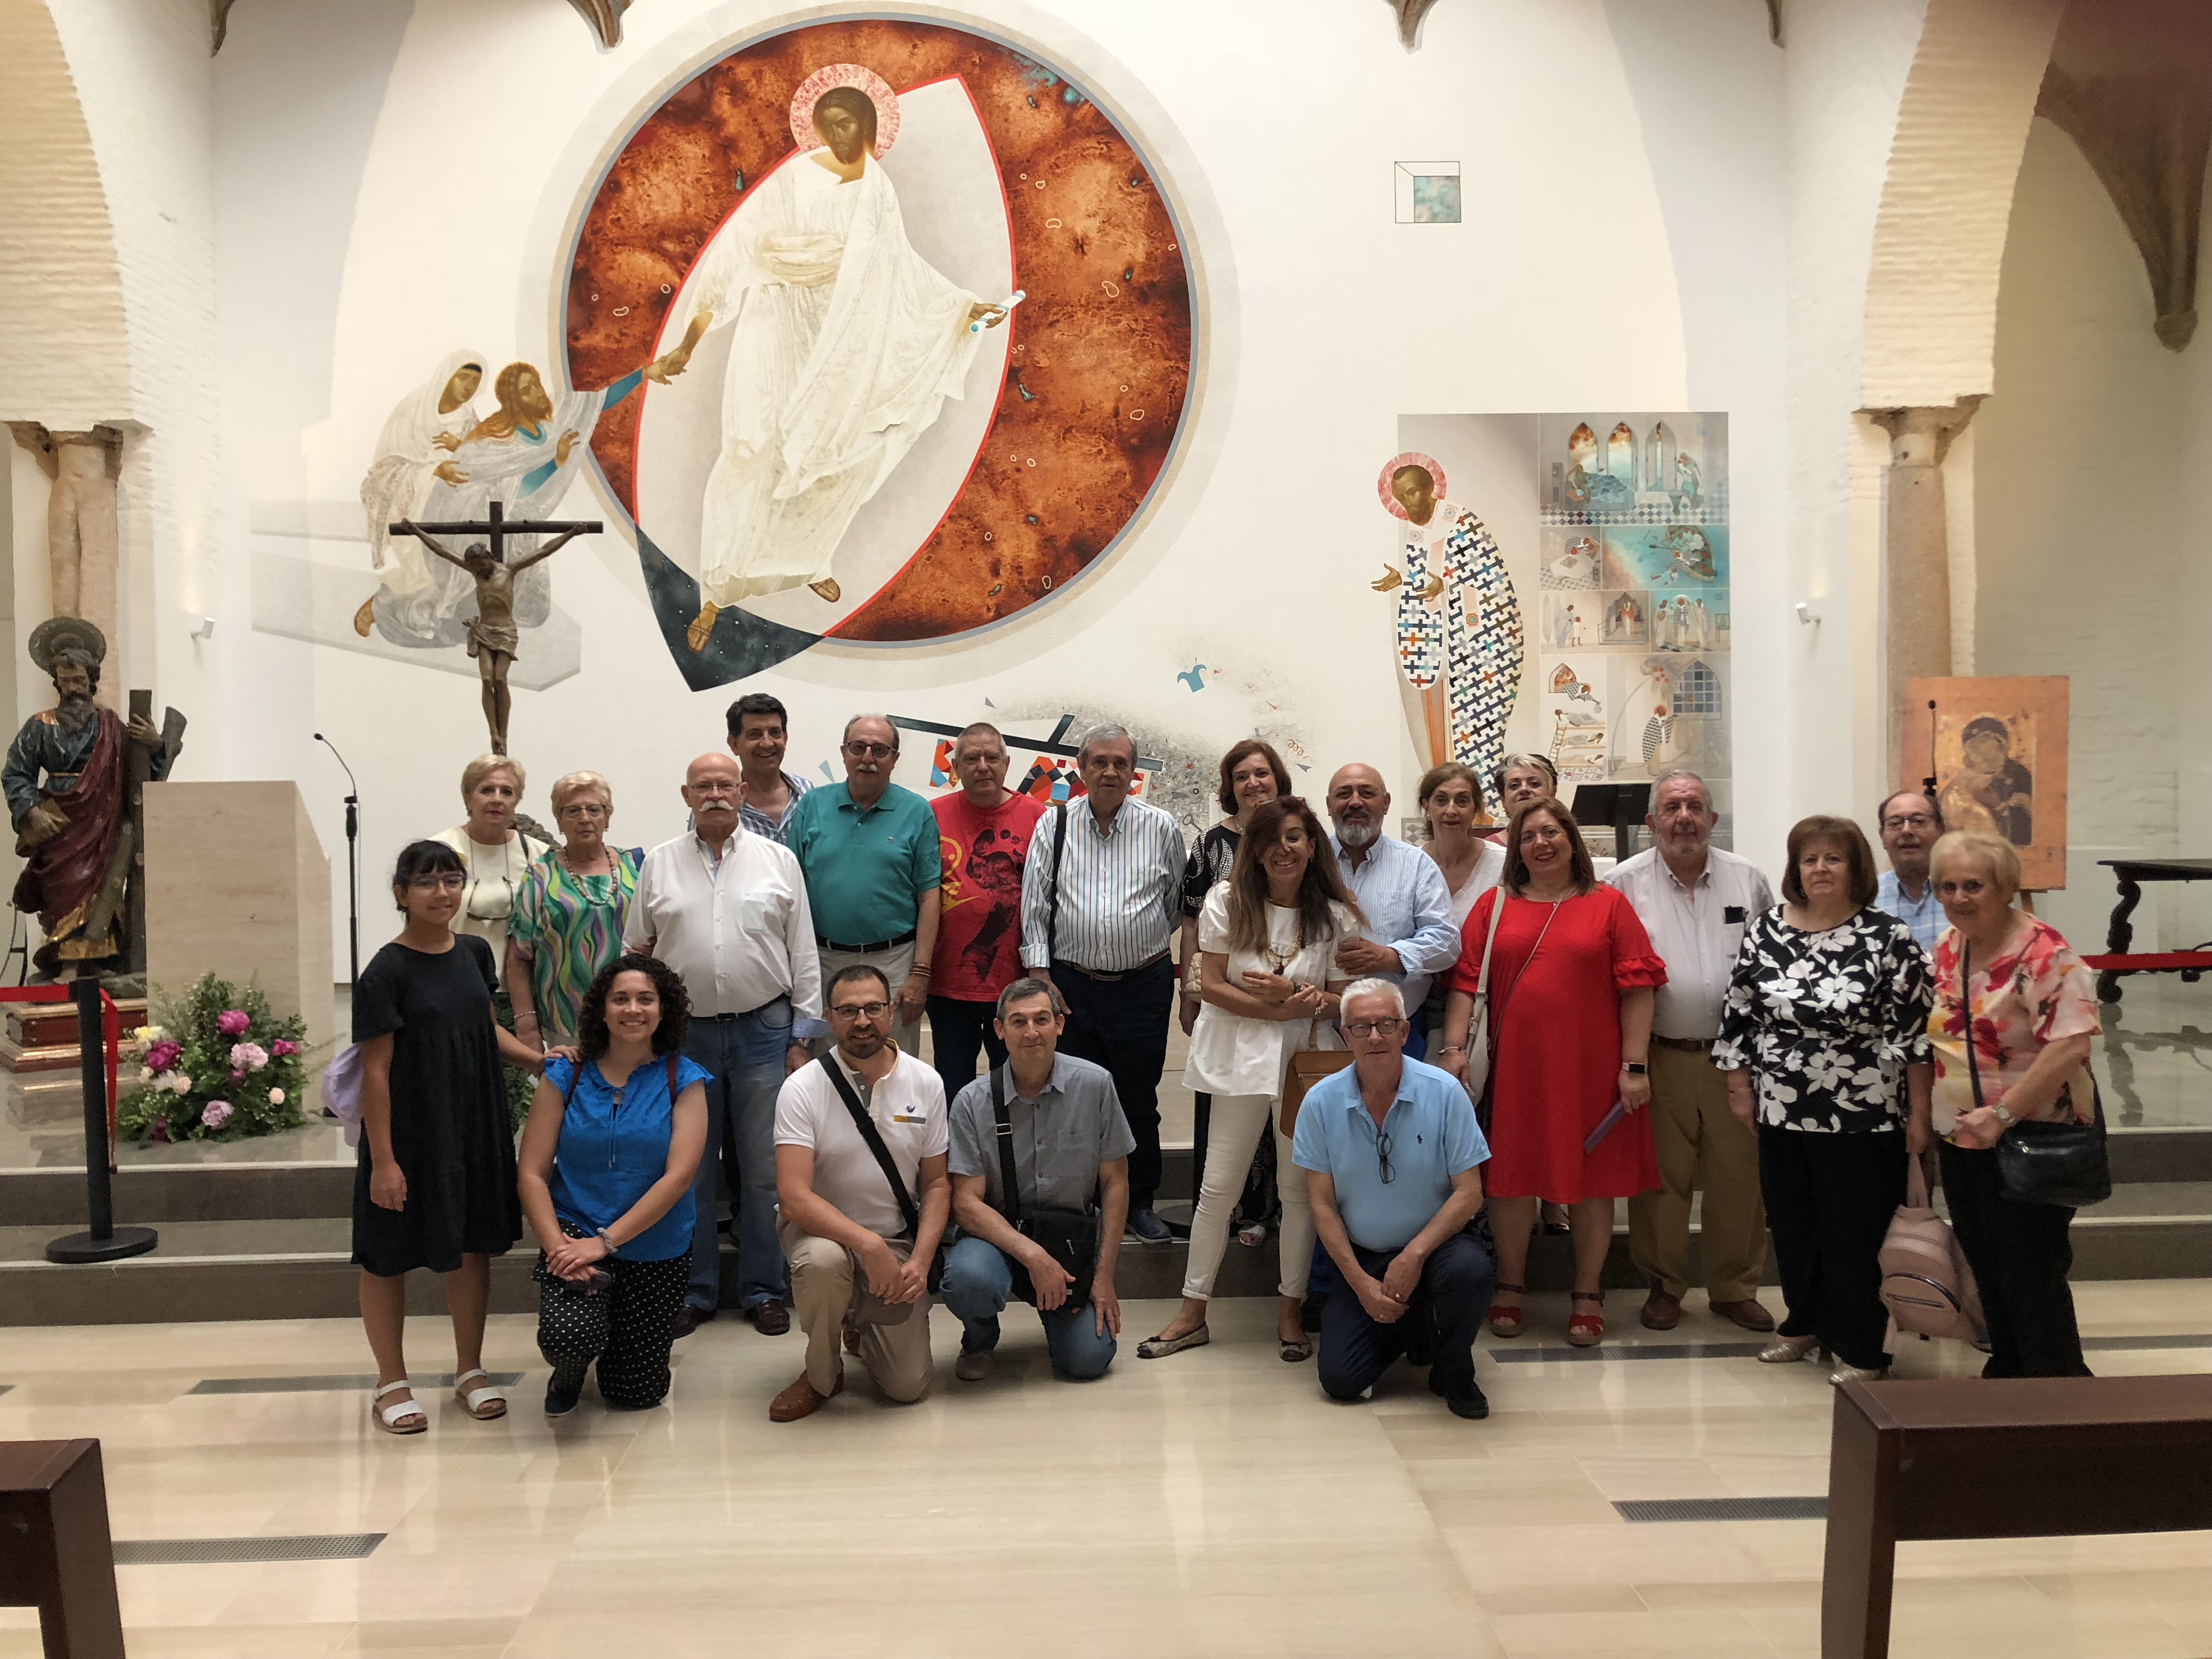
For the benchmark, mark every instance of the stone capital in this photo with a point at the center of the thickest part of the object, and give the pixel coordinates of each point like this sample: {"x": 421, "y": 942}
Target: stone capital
{"x": 1921, "y": 435}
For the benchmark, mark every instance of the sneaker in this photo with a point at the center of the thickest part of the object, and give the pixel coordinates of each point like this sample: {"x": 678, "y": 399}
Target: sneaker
{"x": 1145, "y": 1228}
{"x": 564, "y": 1390}
{"x": 974, "y": 1365}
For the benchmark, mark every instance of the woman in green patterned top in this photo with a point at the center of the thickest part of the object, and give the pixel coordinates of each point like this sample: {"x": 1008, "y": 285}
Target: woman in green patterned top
{"x": 568, "y": 920}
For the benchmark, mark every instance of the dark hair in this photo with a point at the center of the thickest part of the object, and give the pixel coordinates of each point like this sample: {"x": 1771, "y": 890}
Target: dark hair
{"x": 425, "y": 857}
{"x": 1882, "y": 813}
{"x": 592, "y": 1037}
{"x": 82, "y": 658}
{"x": 1237, "y": 754}
{"x": 1845, "y": 834}
{"x": 856, "y": 971}
{"x": 1030, "y": 985}
{"x": 854, "y": 101}
{"x": 1986, "y": 725}
{"x": 756, "y": 702}
{"x": 1437, "y": 776}
{"x": 1516, "y": 873}
{"x": 1320, "y": 887}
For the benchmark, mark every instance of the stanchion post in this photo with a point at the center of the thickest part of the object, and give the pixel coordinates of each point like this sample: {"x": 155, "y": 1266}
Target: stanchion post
{"x": 104, "y": 1241}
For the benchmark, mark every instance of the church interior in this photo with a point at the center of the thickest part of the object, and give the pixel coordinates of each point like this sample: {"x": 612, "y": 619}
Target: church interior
{"x": 1386, "y": 380}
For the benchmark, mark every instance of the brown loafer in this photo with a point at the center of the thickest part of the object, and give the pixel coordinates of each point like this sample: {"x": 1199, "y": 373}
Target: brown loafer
{"x": 801, "y": 1400}
{"x": 771, "y": 1317}
{"x": 1746, "y": 1313}
{"x": 1661, "y": 1312}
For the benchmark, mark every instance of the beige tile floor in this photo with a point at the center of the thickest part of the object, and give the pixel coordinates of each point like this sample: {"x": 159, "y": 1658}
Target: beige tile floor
{"x": 1213, "y": 1505}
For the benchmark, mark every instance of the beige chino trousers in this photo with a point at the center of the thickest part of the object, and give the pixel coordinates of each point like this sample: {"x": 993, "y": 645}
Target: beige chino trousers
{"x": 827, "y": 1283}
{"x": 1700, "y": 1144}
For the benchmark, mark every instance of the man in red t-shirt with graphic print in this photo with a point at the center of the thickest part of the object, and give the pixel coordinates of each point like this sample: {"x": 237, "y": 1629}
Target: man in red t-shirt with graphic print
{"x": 983, "y": 833}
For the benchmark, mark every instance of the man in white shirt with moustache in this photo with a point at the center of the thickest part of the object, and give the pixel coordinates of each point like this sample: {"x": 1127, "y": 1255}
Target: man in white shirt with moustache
{"x": 727, "y": 909}
{"x": 1693, "y": 900}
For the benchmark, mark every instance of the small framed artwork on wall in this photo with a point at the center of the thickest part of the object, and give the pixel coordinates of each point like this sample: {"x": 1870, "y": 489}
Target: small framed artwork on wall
{"x": 1997, "y": 749}
{"x": 1426, "y": 192}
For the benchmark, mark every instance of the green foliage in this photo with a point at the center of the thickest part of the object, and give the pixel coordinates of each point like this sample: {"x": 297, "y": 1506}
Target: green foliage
{"x": 252, "y": 1076}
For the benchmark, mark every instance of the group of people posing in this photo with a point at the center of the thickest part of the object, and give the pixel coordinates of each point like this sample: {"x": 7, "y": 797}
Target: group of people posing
{"x": 1472, "y": 1031}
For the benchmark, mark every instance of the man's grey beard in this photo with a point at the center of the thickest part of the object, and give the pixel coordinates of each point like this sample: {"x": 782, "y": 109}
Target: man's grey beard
{"x": 76, "y": 711}
{"x": 1355, "y": 834}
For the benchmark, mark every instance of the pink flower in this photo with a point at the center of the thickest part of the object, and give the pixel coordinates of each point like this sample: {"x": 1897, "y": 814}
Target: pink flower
{"x": 164, "y": 1055}
{"x": 238, "y": 1076}
{"x": 216, "y": 1115}
{"x": 180, "y": 1083}
{"x": 159, "y": 1133}
{"x": 276, "y": 1096}
{"x": 282, "y": 1049}
{"x": 248, "y": 1056}
{"x": 233, "y": 1022}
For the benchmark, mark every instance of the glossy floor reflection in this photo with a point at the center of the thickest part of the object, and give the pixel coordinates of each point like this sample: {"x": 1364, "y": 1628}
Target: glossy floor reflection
{"x": 1213, "y": 1503}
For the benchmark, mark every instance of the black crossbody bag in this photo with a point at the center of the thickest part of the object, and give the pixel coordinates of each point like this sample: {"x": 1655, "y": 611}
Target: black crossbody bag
{"x": 2040, "y": 1161}
{"x": 1068, "y": 1236}
{"x": 910, "y": 1211}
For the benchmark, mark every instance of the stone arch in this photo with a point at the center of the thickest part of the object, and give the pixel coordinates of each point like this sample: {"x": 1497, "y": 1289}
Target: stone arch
{"x": 64, "y": 342}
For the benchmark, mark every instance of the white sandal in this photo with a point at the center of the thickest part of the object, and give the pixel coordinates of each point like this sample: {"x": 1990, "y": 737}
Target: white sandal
{"x": 389, "y": 1418}
{"x": 480, "y": 1402}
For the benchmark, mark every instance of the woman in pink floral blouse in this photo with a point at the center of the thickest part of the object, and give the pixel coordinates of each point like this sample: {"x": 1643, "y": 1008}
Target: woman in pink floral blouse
{"x": 2034, "y": 1012}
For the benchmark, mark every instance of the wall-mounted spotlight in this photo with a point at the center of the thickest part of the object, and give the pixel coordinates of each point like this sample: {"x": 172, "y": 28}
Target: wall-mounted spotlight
{"x": 206, "y": 629}
{"x": 1807, "y": 613}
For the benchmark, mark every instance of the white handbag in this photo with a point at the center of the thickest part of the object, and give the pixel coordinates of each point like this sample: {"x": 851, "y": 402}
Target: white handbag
{"x": 1478, "y": 1029}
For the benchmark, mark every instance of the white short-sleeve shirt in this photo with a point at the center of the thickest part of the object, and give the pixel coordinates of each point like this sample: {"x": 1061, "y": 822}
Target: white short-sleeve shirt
{"x": 1231, "y": 1054}
{"x": 908, "y": 1109}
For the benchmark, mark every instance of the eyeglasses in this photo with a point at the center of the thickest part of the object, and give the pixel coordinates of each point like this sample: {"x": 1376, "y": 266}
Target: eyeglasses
{"x": 1360, "y": 1028}
{"x": 1917, "y": 820}
{"x": 860, "y": 1010}
{"x": 451, "y": 881}
{"x": 1383, "y": 1157}
{"x": 583, "y": 809}
{"x": 871, "y": 750}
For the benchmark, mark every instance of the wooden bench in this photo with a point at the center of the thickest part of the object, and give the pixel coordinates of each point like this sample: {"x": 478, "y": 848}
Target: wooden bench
{"x": 2031, "y": 1457}
{"x": 55, "y": 1554}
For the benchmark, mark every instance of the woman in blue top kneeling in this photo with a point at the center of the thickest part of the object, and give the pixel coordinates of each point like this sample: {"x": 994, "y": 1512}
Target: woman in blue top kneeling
{"x": 613, "y": 1140}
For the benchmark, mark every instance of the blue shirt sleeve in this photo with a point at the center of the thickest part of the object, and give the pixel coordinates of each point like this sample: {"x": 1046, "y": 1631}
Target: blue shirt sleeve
{"x": 557, "y": 1073}
{"x": 1464, "y": 1145}
{"x": 1434, "y": 944}
{"x": 688, "y": 1071}
{"x": 1309, "y": 1146}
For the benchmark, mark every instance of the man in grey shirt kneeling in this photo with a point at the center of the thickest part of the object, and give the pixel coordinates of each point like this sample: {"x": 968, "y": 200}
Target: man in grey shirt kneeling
{"x": 1068, "y": 1138}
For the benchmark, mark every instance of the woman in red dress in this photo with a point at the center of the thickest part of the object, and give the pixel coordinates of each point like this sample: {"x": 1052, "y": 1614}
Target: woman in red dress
{"x": 1571, "y": 975}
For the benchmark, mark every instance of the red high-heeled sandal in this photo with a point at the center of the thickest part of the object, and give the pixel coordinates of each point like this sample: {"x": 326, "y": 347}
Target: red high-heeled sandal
{"x": 1586, "y": 1330}
{"x": 1504, "y": 1321}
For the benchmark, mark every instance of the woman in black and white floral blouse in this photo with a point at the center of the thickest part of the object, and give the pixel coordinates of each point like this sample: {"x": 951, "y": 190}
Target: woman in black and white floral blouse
{"x": 1825, "y": 1041}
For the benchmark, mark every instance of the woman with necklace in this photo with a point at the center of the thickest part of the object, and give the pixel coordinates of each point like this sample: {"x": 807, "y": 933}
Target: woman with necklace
{"x": 1267, "y": 945}
{"x": 568, "y": 920}
{"x": 496, "y": 854}
{"x": 1252, "y": 775}
{"x": 2033, "y": 1015}
{"x": 1571, "y": 974}
{"x": 1824, "y": 1040}
{"x": 1450, "y": 800}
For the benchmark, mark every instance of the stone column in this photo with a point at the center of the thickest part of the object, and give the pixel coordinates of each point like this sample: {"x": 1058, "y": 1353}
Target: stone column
{"x": 82, "y": 539}
{"x": 1916, "y": 564}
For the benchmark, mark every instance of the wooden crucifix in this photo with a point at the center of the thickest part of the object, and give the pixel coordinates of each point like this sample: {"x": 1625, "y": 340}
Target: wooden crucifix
{"x": 492, "y": 634}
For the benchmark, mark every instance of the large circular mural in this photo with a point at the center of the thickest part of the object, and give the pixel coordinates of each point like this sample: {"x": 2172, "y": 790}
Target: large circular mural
{"x": 916, "y": 325}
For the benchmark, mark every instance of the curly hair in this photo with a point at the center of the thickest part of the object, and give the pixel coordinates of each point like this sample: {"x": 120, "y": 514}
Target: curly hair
{"x": 592, "y": 1037}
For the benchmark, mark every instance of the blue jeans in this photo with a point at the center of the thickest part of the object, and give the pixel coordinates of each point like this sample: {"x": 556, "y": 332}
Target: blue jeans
{"x": 979, "y": 1282}
{"x": 744, "y": 1059}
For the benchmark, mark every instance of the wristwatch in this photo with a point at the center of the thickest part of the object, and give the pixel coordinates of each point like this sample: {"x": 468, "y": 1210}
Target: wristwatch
{"x": 1635, "y": 1067}
{"x": 2004, "y": 1116}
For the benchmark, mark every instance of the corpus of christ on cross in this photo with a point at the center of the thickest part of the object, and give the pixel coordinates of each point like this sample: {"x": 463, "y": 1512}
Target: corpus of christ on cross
{"x": 492, "y": 634}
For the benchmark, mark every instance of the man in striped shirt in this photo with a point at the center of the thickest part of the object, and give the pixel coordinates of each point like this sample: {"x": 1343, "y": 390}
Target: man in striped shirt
{"x": 1102, "y": 895}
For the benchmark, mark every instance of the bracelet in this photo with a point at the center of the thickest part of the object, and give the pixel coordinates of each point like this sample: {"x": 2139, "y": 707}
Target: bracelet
{"x": 611, "y": 1246}
{"x": 1453, "y": 1048}
{"x": 525, "y": 1014}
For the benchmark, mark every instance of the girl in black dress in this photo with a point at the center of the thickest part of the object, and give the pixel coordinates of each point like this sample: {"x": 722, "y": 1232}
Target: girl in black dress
{"x": 434, "y": 1186}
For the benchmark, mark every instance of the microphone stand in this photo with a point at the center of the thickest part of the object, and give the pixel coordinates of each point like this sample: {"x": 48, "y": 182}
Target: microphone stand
{"x": 353, "y": 863}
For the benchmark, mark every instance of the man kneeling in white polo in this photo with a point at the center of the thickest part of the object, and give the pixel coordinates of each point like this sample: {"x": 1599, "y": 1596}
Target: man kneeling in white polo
{"x": 860, "y": 1154}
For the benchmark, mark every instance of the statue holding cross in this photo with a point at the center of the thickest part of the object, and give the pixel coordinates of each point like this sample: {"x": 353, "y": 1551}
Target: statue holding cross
{"x": 493, "y": 638}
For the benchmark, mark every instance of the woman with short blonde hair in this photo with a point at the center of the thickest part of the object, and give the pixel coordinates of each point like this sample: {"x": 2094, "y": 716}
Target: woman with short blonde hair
{"x": 2031, "y": 1007}
{"x": 496, "y": 854}
{"x": 567, "y": 923}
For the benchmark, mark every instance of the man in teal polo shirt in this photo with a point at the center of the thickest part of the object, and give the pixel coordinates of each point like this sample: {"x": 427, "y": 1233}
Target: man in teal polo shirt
{"x": 869, "y": 852}
{"x": 1394, "y": 1159}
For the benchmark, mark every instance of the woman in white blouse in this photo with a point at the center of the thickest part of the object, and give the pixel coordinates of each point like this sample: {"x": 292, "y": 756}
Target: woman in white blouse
{"x": 1266, "y": 942}
{"x": 496, "y": 854}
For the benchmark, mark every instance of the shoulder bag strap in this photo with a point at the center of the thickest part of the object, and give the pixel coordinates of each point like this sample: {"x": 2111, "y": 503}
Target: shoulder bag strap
{"x": 1006, "y": 1122}
{"x": 1490, "y": 940}
{"x": 908, "y": 1209}
{"x": 1966, "y": 1008}
{"x": 671, "y": 1080}
{"x": 1051, "y": 909}
{"x": 576, "y": 1076}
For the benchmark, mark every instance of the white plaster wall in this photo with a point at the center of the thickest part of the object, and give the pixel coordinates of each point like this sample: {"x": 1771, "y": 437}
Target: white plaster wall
{"x": 2090, "y": 544}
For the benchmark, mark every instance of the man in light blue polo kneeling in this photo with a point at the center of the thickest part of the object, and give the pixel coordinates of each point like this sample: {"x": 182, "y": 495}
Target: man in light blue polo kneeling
{"x": 1050, "y": 1127}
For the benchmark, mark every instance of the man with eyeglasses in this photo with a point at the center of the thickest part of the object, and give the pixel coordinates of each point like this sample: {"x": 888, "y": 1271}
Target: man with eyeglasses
{"x": 1911, "y": 826}
{"x": 861, "y": 1246}
{"x": 728, "y": 910}
{"x": 869, "y": 850}
{"x": 1394, "y": 1159}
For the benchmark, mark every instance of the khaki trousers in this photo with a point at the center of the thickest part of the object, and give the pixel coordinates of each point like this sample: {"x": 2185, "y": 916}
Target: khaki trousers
{"x": 828, "y": 1283}
{"x": 1700, "y": 1144}
{"x": 895, "y": 964}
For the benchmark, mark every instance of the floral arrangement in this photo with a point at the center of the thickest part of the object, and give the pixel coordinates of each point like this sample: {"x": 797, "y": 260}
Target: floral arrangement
{"x": 218, "y": 1066}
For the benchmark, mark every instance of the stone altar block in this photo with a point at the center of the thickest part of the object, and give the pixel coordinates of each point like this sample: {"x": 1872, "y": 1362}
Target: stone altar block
{"x": 237, "y": 885}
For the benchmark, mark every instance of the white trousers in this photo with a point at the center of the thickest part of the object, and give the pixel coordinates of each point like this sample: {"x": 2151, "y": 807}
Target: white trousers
{"x": 1236, "y": 1126}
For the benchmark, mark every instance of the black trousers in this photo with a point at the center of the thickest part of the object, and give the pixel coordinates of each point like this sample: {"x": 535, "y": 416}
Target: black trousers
{"x": 2020, "y": 1256}
{"x": 1829, "y": 1199}
{"x": 1122, "y": 1025}
{"x": 957, "y": 1032}
{"x": 629, "y": 1327}
{"x": 1446, "y": 1313}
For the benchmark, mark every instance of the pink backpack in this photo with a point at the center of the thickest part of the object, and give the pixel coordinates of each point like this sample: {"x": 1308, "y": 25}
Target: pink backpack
{"x": 1926, "y": 1284}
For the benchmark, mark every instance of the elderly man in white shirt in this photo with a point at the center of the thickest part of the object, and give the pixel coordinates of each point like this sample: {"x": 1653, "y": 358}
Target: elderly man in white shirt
{"x": 862, "y": 1153}
{"x": 727, "y": 909}
{"x": 1693, "y": 900}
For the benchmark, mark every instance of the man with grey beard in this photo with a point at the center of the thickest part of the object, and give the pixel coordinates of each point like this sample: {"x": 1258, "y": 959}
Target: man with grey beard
{"x": 67, "y": 826}
{"x": 1410, "y": 936}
